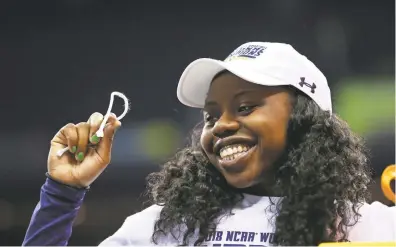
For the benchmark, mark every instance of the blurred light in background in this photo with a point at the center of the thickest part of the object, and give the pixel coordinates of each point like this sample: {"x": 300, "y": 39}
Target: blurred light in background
{"x": 160, "y": 138}
{"x": 367, "y": 103}
{"x": 149, "y": 141}
{"x": 7, "y": 215}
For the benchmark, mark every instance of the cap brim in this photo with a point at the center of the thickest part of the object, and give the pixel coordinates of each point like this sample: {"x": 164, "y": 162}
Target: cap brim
{"x": 195, "y": 81}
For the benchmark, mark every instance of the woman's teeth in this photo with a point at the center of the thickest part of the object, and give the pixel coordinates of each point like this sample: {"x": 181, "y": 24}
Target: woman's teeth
{"x": 233, "y": 151}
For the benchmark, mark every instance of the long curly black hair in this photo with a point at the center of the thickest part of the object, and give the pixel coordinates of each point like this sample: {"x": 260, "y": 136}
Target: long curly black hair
{"x": 322, "y": 176}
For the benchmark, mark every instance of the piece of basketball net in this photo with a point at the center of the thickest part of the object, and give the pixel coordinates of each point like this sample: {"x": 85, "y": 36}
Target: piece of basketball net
{"x": 100, "y": 132}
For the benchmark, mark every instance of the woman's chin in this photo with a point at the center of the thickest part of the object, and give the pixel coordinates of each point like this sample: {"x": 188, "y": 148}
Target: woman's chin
{"x": 239, "y": 182}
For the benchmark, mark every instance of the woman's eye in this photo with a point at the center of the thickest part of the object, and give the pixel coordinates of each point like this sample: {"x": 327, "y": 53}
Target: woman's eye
{"x": 208, "y": 117}
{"x": 245, "y": 109}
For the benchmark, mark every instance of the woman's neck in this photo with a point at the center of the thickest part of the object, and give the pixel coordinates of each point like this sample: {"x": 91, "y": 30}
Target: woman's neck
{"x": 260, "y": 189}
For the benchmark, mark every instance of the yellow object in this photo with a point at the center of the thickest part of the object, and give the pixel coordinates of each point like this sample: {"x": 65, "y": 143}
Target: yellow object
{"x": 388, "y": 175}
{"x": 358, "y": 244}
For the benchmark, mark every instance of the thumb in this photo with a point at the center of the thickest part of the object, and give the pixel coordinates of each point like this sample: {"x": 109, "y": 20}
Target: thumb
{"x": 105, "y": 145}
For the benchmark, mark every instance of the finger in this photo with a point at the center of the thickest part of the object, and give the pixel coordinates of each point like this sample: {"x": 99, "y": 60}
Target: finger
{"x": 83, "y": 137}
{"x": 112, "y": 125}
{"x": 112, "y": 118}
{"x": 69, "y": 131}
{"x": 104, "y": 147}
{"x": 94, "y": 121}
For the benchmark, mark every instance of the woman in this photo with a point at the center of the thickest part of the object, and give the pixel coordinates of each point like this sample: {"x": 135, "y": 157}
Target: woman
{"x": 271, "y": 164}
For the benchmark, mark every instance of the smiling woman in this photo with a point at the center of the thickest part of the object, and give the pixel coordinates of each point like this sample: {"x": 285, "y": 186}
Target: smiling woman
{"x": 271, "y": 165}
{"x": 246, "y": 116}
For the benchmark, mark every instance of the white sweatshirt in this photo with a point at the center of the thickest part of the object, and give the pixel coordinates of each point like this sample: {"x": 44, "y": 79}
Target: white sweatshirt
{"x": 247, "y": 227}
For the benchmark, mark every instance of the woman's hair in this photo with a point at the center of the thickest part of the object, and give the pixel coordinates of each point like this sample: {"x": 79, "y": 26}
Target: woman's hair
{"x": 322, "y": 176}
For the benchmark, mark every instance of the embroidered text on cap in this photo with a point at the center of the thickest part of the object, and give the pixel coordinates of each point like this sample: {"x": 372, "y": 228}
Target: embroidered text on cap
{"x": 249, "y": 51}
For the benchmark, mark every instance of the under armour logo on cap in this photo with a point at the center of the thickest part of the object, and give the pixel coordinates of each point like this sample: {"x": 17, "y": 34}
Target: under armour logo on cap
{"x": 302, "y": 83}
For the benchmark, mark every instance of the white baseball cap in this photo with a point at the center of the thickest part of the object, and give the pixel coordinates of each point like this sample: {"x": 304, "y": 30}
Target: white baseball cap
{"x": 264, "y": 63}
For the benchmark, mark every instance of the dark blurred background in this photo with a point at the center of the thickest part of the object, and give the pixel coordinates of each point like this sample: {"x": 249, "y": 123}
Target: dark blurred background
{"x": 60, "y": 60}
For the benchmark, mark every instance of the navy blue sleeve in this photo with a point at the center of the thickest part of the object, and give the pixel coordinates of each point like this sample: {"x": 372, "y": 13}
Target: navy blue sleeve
{"x": 53, "y": 217}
